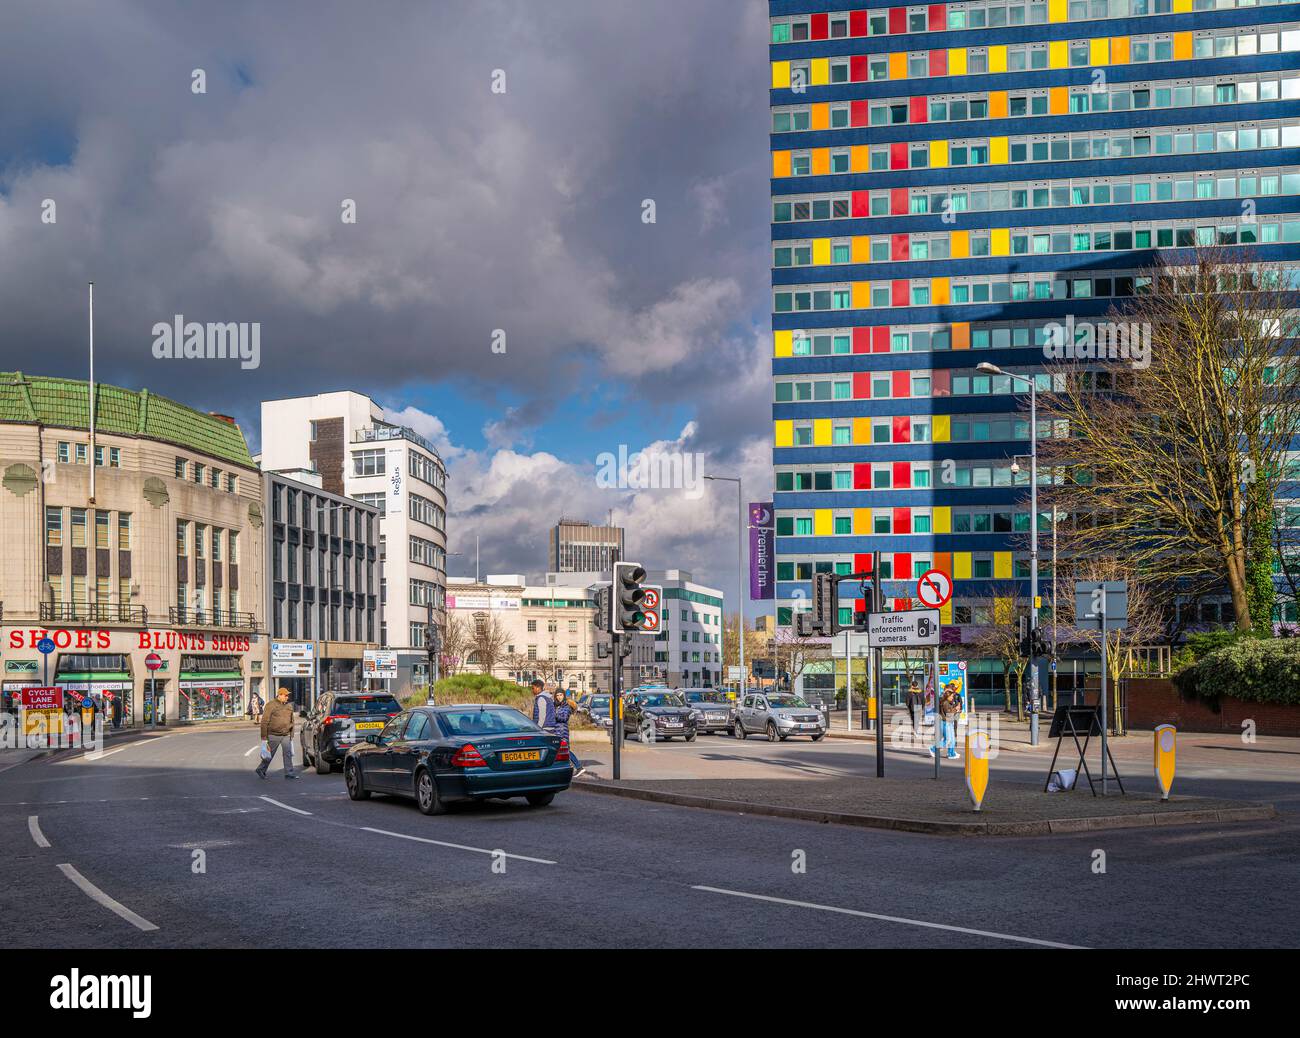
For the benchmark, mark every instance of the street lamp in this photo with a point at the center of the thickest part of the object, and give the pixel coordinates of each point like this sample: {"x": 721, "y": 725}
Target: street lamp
{"x": 740, "y": 572}
{"x": 993, "y": 369}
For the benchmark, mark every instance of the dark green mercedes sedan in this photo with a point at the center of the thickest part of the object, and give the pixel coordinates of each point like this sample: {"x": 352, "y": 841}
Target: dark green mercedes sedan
{"x": 439, "y": 755}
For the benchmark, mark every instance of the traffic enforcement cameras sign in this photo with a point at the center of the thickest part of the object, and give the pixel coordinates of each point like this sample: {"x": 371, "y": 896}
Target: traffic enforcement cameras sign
{"x": 905, "y": 629}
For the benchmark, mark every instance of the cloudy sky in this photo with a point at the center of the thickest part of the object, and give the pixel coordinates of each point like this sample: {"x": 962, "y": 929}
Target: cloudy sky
{"x": 476, "y": 209}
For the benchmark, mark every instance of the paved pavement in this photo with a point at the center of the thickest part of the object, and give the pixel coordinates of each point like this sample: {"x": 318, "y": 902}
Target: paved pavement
{"x": 104, "y": 853}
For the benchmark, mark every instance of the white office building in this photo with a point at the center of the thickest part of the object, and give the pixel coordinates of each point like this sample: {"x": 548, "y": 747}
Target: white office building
{"x": 346, "y": 438}
{"x": 689, "y": 647}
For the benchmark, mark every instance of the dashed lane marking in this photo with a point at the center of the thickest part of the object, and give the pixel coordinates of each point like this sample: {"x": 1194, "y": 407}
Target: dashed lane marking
{"x": 295, "y": 810}
{"x": 457, "y": 846}
{"x": 34, "y": 827}
{"x": 95, "y": 894}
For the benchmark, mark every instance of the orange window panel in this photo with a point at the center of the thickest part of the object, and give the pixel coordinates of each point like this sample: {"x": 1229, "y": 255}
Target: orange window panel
{"x": 821, "y": 161}
{"x": 821, "y": 117}
{"x": 780, "y": 163}
{"x": 961, "y": 335}
{"x": 860, "y": 158}
{"x": 1058, "y": 100}
{"x": 1182, "y": 46}
{"x": 1119, "y": 50}
{"x": 960, "y": 245}
{"x": 939, "y": 291}
{"x": 998, "y": 104}
{"x": 898, "y": 65}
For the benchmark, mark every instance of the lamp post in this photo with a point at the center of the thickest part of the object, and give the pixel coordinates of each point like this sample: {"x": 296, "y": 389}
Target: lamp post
{"x": 740, "y": 573}
{"x": 993, "y": 369}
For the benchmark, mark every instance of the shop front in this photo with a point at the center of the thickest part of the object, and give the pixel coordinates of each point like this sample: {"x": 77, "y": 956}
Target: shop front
{"x": 211, "y": 688}
{"x": 104, "y": 679}
{"x": 18, "y": 674}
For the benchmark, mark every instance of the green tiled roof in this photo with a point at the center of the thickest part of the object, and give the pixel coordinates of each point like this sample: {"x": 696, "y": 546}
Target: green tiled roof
{"x": 65, "y": 403}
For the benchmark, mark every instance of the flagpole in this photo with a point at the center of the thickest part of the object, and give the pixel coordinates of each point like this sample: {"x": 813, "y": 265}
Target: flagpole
{"x": 91, "y": 289}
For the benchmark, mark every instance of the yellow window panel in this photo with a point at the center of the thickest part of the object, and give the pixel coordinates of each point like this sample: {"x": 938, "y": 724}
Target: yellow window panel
{"x": 941, "y": 429}
{"x": 1058, "y": 10}
{"x": 821, "y": 117}
{"x": 820, "y": 71}
{"x": 783, "y": 344}
{"x": 957, "y": 61}
{"x": 1002, "y": 565}
{"x": 862, "y": 430}
{"x": 960, "y": 245}
{"x": 861, "y": 295}
{"x": 860, "y": 251}
{"x": 1000, "y": 242}
{"x": 997, "y": 104}
{"x": 1058, "y": 54}
{"x": 945, "y": 612}
{"x": 821, "y": 252}
{"x": 821, "y": 432}
{"x": 1182, "y": 46}
{"x": 943, "y": 519}
{"x": 938, "y": 154}
{"x": 862, "y": 520}
{"x": 998, "y": 59}
{"x": 997, "y": 151}
{"x": 960, "y": 564}
{"x": 821, "y": 161}
{"x": 780, "y": 163}
{"x": 823, "y": 522}
{"x": 1058, "y": 100}
{"x": 783, "y": 434}
{"x": 1119, "y": 50}
{"x": 898, "y": 65}
{"x": 1099, "y": 51}
{"x": 939, "y": 291}
{"x": 1182, "y": 6}
{"x": 860, "y": 158}
{"x": 780, "y": 75}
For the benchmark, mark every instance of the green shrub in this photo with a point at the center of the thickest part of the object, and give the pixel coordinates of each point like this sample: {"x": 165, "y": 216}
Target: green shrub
{"x": 1202, "y": 643}
{"x": 475, "y": 688}
{"x": 1252, "y": 669}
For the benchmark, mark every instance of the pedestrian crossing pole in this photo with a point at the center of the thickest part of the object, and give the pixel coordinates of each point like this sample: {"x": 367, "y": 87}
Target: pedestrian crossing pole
{"x": 616, "y": 702}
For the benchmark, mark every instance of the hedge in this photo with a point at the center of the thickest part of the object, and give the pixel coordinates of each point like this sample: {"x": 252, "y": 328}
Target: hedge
{"x": 475, "y": 688}
{"x": 1250, "y": 669}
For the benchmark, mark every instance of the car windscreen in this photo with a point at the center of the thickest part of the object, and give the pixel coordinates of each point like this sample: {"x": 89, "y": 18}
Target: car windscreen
{"x": 598, "y": 703}
{"x": 703, "y": 697}
{"x": 658, "y": 699}
{"x": 366, "y": 705}
{"x": 777, "y": 702}
{"x": 489, "y": 720}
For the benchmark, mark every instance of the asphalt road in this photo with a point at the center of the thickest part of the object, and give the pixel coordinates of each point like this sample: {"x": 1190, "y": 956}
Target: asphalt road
{"x": 296, "y": 864}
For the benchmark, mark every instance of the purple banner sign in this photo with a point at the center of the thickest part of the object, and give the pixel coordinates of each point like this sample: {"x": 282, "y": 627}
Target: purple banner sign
{"x": 762, "y": 515}
{"x": 761, "y": 585}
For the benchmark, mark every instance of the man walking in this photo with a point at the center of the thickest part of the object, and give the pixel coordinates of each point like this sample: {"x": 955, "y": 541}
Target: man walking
{"x": 543, "y": 706}
{"x": 277, "y": 733}
{"x": 915, "y": 705}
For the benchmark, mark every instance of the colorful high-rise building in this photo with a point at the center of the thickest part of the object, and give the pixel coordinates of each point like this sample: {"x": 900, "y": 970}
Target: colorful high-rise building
{"x": 949, "y": 181}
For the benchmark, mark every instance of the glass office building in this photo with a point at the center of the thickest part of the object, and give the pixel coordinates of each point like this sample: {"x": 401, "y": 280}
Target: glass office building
{"x": 948, "y": 180}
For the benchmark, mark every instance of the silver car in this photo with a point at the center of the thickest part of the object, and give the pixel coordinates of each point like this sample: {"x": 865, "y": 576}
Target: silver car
{"x": 778, "y": 715}
{"x": 712, "y": 711}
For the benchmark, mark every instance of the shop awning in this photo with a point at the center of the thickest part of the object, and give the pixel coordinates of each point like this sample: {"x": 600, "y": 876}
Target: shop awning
{"x": 211, "y": 675}
{"x": 98, "y": 675}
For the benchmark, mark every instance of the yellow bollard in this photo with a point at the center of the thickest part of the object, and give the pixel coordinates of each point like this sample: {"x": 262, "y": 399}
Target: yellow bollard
{"x": 977, "y": 766}
{"x": 1166, "y": 750}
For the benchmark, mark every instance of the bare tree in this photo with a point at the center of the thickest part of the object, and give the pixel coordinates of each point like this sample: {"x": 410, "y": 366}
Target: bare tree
{"x": 455, "y": 643}
{"x": 487, "y": 641}
{"x": 1000, "y": 638}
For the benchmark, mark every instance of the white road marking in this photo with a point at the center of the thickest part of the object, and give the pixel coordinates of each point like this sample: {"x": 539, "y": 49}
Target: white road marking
{"x": 34, "y": 827}
{"x": 295, "y": 810}
{"x": 252, "y": 749}
{"x": 886, "y": 918}
{"x": 457, "y": 846}
{"x": 95, "y": 894}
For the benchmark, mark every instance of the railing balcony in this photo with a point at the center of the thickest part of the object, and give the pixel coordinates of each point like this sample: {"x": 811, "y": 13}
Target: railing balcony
{"x": 94, "y": 612}
{"x": 184, "y": 616}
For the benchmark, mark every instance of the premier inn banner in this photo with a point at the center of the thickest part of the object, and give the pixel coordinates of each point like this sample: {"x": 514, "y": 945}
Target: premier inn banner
{"x": 762, "y": 586}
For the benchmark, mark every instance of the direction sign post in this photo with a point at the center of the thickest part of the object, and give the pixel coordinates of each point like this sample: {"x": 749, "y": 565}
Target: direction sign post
{"x": 45, "y": 646}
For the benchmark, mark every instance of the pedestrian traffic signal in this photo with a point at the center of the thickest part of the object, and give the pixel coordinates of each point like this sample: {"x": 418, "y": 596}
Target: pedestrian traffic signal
{"x": 626, "y": 614}
{"x": 602, "y": 608}
{"x": 826, "y": 612}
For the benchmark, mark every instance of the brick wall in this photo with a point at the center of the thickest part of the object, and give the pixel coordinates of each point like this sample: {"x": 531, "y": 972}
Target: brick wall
{"x": 1153, "y": 701}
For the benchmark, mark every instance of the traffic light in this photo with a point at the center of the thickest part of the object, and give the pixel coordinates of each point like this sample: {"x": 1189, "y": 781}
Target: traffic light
{"x": 602, "y": 608}
{"x": 1023, "y": 645}
{"x": 826, "y": 611}
{"x": 626, "y": 614}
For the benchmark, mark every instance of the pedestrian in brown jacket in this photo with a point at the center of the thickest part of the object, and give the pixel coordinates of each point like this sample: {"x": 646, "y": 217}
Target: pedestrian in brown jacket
{"x": 277, "y": 734}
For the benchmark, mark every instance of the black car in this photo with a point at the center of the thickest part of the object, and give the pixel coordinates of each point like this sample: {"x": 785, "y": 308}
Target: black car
{"x": 340, "y": 720}
{"x": 595, "y": 708}
{"x": 657, "y": 715}
{"x": 712, "y": 710}
{"x": 439, "y": 755}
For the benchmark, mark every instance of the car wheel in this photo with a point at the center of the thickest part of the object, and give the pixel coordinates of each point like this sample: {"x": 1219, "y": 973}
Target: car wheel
{"x": 539, "y": 799}
{"x": 356, "y": 787}
{"x": 323, "y": 767}
{"x": 426, "y": 794}
{"x": 740, "y": 732}
{"x": 818, "y": 738}
{"x": 772, "y": 734}
{"x": 691, "y": 737}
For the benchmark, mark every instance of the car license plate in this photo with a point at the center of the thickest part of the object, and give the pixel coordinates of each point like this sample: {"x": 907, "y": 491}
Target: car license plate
{"x": 513, "y": 756}
{"x": 362, "y": 725}
{"x": 810, "y": 726}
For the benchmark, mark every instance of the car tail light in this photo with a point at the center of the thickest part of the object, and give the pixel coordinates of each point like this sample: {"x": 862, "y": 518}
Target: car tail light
{"x": 335, "y": 717}
{"x": 564, "y": 751}
{"x": 468, "y": 757}
{"x": 394, "y": 713}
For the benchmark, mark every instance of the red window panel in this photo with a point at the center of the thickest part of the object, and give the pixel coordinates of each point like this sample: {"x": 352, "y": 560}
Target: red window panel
{"x": 861, "y": 477}
{"x": 820, "y": 26}
{"x": 880, "y": 339}
{"x": 943, "y": 562}
{"x": 902, "y": 428}
{"x": 902, "y": 385}
{"x": 859, "y": 604}
{"x": 938, "y": 17}
{"x": 862, "y": 342}
{"x": 862, "y": 385}
{"x": 861, "y": 205}
{"x": 938, "y": 62}
{"x": 859, "y": 113}
{"x": 898, "y": 155}
{"x": 899, "y": 293}
{"x": 857, "y": 23}
{"x": 902, "y": 569}
{"x": 902, "y": 475}
{"x": 861, "y": 563}
{"x": 898, "y": 19}
{"x": 898, "y": 247}
{"x": 941, "y": 382}
{"x": 858, "y": 68}
{"x": 902, "y": 520}
{"x": 898, "y": 201}
{"x": 918, "y": 109}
